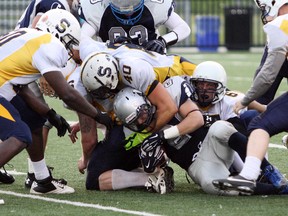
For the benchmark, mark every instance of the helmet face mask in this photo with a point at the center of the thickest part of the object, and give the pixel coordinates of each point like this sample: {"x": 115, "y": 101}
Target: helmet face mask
{"x": 209, "y": 80}
{"x": 99, "y": 75}
{"x": 133, "y": 109}
{"x": 269, "y": 8}
{"x": 127, "y": 12}
{"x": 63, "y": 25}
{"x": 103, "y": 93}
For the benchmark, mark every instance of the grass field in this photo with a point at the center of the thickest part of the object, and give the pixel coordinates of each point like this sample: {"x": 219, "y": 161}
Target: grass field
{"x": 187, "y": 199}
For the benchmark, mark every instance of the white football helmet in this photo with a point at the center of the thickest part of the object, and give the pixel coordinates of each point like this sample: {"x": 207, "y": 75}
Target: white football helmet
{"x": 269, "y": 8}
{"x": 127, "y": 12}
{"x": 209, "y": 71}
{"x": 99, "y": 74}
{"x": 75, "y": 5}
{"x": 133, "y": 109}
{"x": 63, "y": 25}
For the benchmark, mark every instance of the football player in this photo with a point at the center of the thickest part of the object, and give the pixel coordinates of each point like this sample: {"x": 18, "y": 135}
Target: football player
{"x": 37, "y": 8}
{"x": 270, "y": 92}
{"x": 274, "y": 119}
{"x": 29, "y": 19}
{"x": 184, "y": 136}
{"x": 43, "y": 52}
{"x": 114, "y": 173}
{"x": 135, "y": 20}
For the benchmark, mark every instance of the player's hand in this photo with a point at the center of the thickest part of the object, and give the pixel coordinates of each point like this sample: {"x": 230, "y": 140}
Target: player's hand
{"x": 151, "y": 152}
{"x": 59, "y": 122}
{"x": 82, "y": 165}
{"x": 75, "y": 128}
{"x": 152, "y": 141}
{"x": 45, "y": 88}
{"x": 238, "y": 107}
{"x": 158, "y": 45}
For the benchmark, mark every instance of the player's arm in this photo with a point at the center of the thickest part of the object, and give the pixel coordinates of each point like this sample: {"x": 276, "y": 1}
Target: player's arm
{"x": 32, "y": 101}
{"x": 265, "y": 77}
{"x": 89, "y": 139}
{"x": 179, "y": 29}
{"x": 35, "y": 20}
{"x": 192, "y": 118}
{"x": 166, "y": 107}
{"x": 42, "y": 108}
{"x": 73, "y": 98}
{"x": 87, "y": 30}
{"x": 257, "y": 106}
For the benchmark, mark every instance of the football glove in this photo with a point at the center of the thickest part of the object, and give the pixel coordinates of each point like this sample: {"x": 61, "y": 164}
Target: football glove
{"x": 103, "y": 118}
{"x": 151, "y": 152}
{"x": 122, "y": 40}
{"x": 59, "y": 122}
{"x": 152, "y": 141}
{"x": 157, "y": 45}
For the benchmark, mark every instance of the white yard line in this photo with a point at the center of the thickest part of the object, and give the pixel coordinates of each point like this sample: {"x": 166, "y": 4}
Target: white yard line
{"x": 80, "y": 204}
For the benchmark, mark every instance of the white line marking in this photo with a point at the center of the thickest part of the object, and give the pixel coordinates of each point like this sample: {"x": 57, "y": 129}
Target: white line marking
{"x": 14, "y": 172}
{"x": 272, "y": 145}
{"x": 80, "y": 204}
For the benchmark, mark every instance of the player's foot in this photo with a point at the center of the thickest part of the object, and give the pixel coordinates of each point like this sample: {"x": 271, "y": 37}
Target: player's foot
{"x": 161, "y": 182}
{"x": 31, "y": 177}
{"x": 236, "y": 183}
{"x": 274, "y": 176}
{"x": 6, "y": 178}
{"x": 49, "y": 185}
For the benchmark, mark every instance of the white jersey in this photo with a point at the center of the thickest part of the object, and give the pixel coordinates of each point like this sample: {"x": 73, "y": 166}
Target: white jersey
{"x": 277, "y": 29}
{"x": 180, "y": 91}
{"x": 224, "y": 108}
{"x": 39, "y": 7}
{"x": 98, "y": 14}
{"x": 139, "y": 68}
{"x": 25, "y": 55}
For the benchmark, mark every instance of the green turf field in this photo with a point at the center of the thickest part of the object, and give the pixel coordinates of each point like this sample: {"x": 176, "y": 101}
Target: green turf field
{"x": 187, "y": 199}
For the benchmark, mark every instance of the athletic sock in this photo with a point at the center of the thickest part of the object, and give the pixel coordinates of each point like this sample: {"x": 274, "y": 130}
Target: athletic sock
{"x": 251, "y": 169}
{"x": 40, "y": 169}
{"x": 123, "y": 179}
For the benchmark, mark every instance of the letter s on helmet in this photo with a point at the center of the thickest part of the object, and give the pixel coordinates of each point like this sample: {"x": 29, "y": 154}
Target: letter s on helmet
{"x": 63, "y": 25}
{"x": 99, "y": 70}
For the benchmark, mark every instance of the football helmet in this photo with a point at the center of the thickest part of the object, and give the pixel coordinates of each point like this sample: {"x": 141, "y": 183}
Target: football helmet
{"x": 269, "y": 8}
{"x": 127, "y": 12}
{"x": 212, "y": 72}
{"x": 99, "y": 74}
{"x": 75, "y": 5}
{"x": 133, "y": 109}
{"x": 63, "y": 25}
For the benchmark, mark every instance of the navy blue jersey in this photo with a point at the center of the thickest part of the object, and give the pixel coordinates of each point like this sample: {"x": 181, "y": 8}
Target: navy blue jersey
{"x": 98, "y": 14}
{"x": 39, "y": 7}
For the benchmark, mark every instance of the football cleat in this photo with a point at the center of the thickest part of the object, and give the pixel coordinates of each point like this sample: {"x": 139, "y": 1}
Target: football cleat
{"x": 50, "y": 186}
{"x": 236, "y": 183}
{"x": 31, "y": 177}
{"x": 274, "y": 176}
{"x": 161, "y": 182}
{"x": 6, "y": 178}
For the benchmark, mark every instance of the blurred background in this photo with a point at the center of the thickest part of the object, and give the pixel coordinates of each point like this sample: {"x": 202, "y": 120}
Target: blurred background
{"x": 215, "y": 24}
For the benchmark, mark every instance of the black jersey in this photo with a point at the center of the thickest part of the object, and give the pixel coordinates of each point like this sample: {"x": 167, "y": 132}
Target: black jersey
{"x": 99, "y": 15}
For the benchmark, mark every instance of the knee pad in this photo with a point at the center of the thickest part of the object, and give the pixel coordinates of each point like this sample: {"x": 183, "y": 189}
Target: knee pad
{"x": 222, "y": 129}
